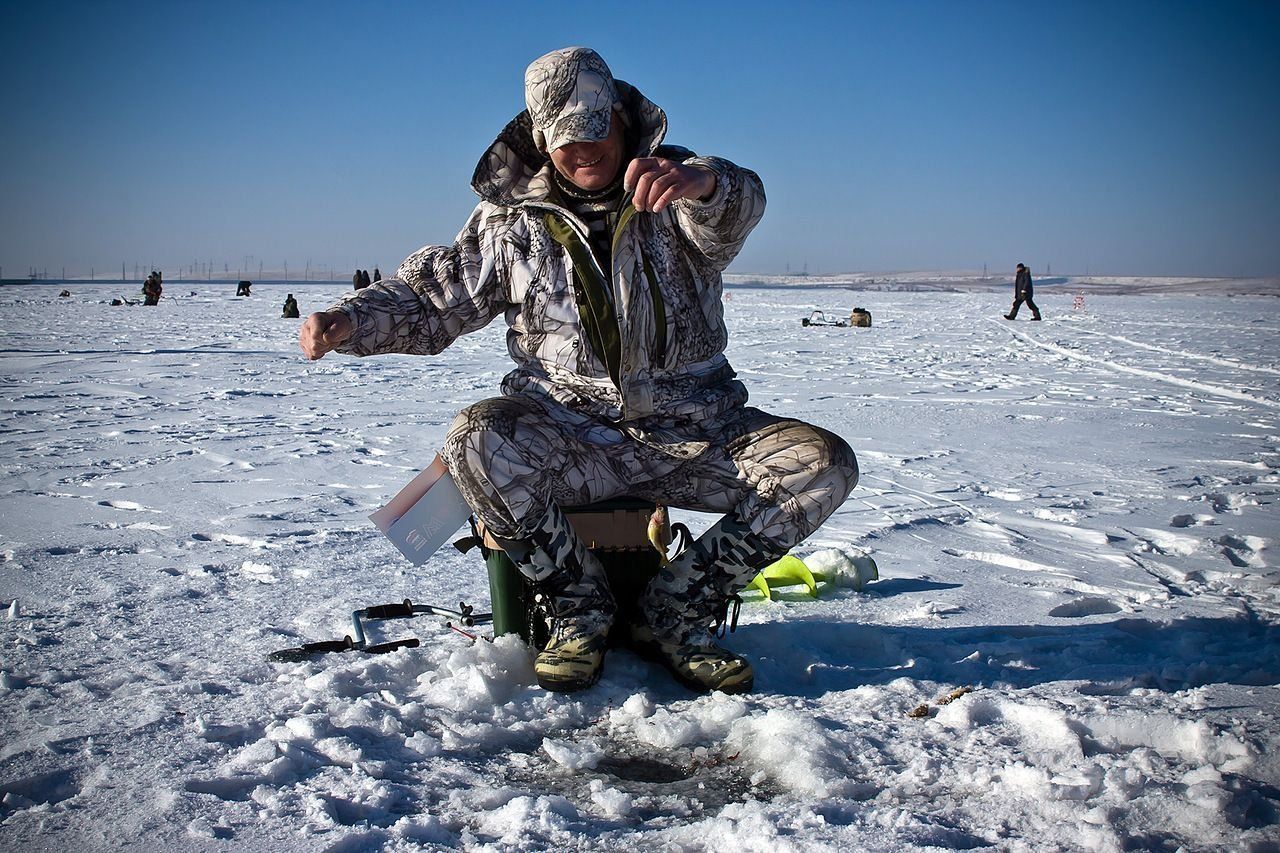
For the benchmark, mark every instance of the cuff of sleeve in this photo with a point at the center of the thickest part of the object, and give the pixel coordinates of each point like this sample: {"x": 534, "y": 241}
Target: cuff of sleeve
{"x": 358, "y": 333}
{"x": 717, "y": 197}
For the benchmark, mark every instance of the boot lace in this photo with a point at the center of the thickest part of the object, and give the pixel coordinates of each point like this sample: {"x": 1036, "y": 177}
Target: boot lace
{"x": 727, "y": 613}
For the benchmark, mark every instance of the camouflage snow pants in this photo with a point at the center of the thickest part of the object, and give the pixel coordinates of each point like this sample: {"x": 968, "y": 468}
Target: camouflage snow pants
{"x": 518, "y": 458}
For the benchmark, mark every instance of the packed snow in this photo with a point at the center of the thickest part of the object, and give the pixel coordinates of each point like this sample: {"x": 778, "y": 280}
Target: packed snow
{"x": 1072, "y": 643}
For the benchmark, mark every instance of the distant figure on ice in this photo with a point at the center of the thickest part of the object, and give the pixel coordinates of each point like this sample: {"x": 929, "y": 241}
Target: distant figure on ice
{"x": 1022, "y": 293}
{"x": 364, "y": 279}
{"x": 603, "y": 248}
{"x": 355, "y": 280}
{"x": 242, "y": 289}
{"x": 290, "y": 307}
{"x": 377, "y": 274}
{"x": 152, "y": 288}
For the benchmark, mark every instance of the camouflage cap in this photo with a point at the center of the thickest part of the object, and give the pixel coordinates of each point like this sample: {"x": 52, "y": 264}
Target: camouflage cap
{"x": 570, "y": 94}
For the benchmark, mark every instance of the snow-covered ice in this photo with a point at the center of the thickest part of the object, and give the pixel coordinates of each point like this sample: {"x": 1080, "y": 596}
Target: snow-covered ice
{"x": 1075, "y": 518}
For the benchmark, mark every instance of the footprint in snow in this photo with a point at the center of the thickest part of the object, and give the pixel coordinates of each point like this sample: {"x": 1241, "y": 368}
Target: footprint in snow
{"x": 41, "y": 789}
{"x": 231, "y": 539}
{"x": 1224, "y": 503}
{"x": 1087, "y": 606}
{"x": 130, "y": 506}
{"x": 260, "y": 572}
{"x": 1243, "y": 552}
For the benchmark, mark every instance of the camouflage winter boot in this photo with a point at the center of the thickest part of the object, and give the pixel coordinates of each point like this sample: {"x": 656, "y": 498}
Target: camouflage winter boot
{"x": 693, "y": 598}
{"x": 574, "y": 655}
{"x": 574, "y": 594}
{"x": 693, "y": 657}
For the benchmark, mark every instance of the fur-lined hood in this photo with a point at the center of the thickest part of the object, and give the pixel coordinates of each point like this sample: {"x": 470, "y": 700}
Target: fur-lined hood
{"x": 515, "y": 171}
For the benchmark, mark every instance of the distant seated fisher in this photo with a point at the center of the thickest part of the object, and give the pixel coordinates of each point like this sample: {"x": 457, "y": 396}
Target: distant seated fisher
{"x": 152, "y": 289}
{"x": 290, "y": 307}
{"x": 603, "y": 247}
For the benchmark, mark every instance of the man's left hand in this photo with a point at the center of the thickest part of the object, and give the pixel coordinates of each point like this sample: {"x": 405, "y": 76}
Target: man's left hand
{"x": 658, "y": 181}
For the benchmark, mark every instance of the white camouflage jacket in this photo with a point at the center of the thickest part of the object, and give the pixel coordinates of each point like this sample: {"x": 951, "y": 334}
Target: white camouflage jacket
{"x": 647, "y": 339}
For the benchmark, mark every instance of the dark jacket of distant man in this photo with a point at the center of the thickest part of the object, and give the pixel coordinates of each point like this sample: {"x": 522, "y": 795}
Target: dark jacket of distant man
{"x": 1022, "y": 284}
{"x": 1022, "y": 293}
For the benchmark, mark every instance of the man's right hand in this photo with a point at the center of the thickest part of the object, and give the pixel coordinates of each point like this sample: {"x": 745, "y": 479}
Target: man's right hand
{"x": 324, "y": 332}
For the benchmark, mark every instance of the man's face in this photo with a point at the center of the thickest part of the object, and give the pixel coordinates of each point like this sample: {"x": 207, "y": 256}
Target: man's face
{"x": 592, "y": 165}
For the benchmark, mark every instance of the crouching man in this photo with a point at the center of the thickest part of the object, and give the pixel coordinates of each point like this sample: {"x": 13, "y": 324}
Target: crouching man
{"x": 603, "y": 247}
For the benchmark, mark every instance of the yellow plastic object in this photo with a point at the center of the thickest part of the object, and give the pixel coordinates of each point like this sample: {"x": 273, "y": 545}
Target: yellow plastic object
{"x": 789, "y": 571}
{"x": 837, "y": 568}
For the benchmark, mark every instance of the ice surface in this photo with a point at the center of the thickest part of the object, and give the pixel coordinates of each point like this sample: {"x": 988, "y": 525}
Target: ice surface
{"x": 1076, "y": 518}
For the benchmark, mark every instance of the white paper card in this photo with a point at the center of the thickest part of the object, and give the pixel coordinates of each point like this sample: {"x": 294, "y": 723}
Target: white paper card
{"x": 424, "y": 514}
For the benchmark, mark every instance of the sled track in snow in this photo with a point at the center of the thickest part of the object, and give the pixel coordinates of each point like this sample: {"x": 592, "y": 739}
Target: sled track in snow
{"x": 1203, "y": 387}
{"x": 1212, "y": 359}
{"x": 930, "y": 500}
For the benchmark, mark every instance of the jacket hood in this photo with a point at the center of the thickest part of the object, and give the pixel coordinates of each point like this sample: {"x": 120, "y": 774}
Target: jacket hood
{"x": 513, "y": 171}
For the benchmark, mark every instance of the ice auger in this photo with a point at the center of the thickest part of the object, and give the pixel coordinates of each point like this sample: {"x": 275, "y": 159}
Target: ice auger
{"x": 465, "y": 617}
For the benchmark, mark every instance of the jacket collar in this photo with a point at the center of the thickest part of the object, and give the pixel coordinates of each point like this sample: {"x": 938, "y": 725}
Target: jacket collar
{"x": 513, "y": 171}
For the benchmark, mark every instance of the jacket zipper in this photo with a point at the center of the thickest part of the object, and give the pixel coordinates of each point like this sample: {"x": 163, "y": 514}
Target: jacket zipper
{"x": 655, "y": 292}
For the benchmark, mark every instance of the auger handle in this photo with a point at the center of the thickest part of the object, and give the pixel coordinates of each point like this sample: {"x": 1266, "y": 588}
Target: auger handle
{"x": 306, "y": 650}
{"x": 403, "y": 610}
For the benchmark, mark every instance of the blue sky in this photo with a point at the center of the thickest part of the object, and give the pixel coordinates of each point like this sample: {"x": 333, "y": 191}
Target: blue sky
{"x": 1119, "y": 137}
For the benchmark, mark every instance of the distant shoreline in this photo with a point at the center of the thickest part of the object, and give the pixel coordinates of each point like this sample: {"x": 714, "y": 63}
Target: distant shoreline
{"x": 932, "y": 282}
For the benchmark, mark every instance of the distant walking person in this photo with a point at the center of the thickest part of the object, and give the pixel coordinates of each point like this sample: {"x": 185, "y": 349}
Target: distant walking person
{"x": 290, "y": 307}
{"x": 1021, "y": 294}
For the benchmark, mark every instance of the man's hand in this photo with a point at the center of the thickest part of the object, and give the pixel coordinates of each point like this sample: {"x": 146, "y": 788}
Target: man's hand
{"x": 324, "y": 332}
{"x": 658, "y": 182}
